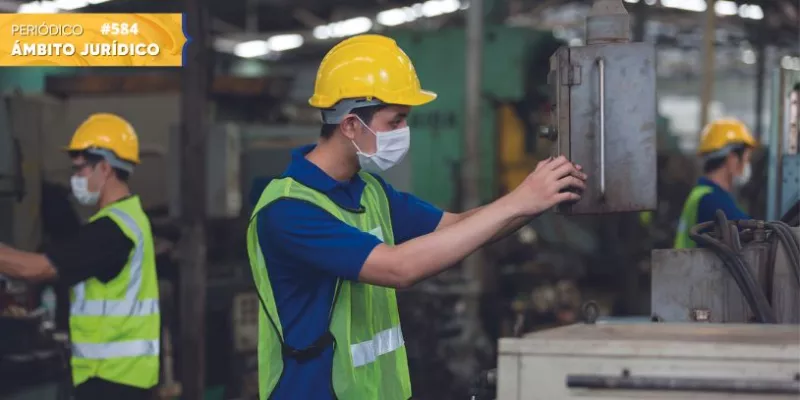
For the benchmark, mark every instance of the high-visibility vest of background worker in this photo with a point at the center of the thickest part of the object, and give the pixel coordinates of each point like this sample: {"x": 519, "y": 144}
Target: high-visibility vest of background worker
{"x": 330, "y": 241}
{"x": 110, "y": 264}
{"x": 725, "y": 149}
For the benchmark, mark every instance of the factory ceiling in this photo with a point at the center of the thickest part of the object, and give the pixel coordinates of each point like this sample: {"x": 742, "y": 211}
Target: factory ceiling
{"x": 310, "y": 22}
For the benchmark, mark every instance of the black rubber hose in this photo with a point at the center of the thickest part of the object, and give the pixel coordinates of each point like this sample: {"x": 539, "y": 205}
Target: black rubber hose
{"x": 792, "y": 240}
{"x": 790, "y": 244}
{"x": 738, "y": 269}
{"x": 722, "y": 229}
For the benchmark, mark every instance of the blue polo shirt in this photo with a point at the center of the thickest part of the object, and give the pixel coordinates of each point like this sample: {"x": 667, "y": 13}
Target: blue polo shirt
{"x": 719, "y": 198}
{"x": 306, "y": 250}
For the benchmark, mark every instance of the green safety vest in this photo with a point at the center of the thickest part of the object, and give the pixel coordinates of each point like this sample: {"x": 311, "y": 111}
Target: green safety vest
{"x": 369, "y": 357}
{"x": 115, "y": 327}
{"x": 689, "y": 217}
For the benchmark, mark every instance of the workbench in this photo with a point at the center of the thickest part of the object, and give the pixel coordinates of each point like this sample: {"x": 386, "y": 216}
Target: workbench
{"x": 652, "y": 361}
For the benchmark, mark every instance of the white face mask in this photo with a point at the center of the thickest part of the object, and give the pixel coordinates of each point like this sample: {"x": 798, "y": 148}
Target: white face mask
{"x": 80, "y": 189}
{"x": 742, "y": 179}
{"x": 391, "y": 148}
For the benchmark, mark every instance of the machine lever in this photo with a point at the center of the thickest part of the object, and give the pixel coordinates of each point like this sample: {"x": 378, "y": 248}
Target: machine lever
{"x": 601, "y": 68}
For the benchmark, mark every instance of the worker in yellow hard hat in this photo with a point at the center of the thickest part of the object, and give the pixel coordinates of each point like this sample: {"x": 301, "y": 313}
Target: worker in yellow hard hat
{"x": 110, "y": 264}
{"x": 725, "y": 148}
{"x": 330, "y": 240}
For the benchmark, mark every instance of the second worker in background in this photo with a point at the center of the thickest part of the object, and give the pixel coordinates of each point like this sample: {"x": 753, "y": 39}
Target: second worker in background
{"x": 114, "y": 317}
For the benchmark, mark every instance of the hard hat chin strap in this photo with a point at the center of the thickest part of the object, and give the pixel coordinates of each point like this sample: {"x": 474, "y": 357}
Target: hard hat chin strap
{"x": 335, "y": 115}
{"x": 112, "y": 159}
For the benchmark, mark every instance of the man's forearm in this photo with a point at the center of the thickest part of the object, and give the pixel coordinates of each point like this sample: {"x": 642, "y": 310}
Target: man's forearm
{"x": 24, "y": 265}
{"x": 510, "y": 228}
{"x": 430, "y": 254}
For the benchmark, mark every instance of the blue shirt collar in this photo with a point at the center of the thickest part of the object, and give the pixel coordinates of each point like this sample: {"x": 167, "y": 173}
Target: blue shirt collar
{"x": 708, "y": 182}
{"x": 307, "y": 173}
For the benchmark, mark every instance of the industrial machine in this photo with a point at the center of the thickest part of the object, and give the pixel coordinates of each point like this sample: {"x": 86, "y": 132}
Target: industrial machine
{"x": 33, "y": 353}
{"x": 513, "y": 109}
{"x": 726, "y": 316}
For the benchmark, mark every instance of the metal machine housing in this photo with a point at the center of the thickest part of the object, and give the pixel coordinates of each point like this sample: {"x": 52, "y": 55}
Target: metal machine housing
{"x": 604, "y": 119}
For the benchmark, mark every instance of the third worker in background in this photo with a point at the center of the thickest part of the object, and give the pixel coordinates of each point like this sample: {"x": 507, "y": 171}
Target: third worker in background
{"x": 725, "y": 149}
{"x": 330, "y": 241}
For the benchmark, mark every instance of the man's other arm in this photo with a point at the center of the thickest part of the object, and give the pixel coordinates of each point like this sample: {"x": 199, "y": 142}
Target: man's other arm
{"x": 100, "y": 250}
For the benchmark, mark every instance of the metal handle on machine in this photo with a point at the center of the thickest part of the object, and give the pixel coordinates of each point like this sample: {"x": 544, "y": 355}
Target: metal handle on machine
{"x": 626, "y": 382}
{"x": 601, "y": 68}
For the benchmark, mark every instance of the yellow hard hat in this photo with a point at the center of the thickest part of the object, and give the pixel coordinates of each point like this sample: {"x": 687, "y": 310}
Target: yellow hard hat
{"x": 107, "y": 131}
{"x": 722, "y": 133}
{"x": 371, "y": 67}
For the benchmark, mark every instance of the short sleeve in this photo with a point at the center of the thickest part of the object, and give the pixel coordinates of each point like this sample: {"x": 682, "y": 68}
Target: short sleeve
{"x": 412, "y": 217}
{"x": 710, "y": 203}
{"x": 307, "y": 236}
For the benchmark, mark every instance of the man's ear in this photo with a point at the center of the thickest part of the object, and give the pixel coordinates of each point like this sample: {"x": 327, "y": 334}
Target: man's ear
{"x": 350, "y": 126}
{"x": 105, "y": 168}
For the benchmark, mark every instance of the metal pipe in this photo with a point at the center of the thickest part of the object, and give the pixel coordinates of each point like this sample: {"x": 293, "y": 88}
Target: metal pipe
{"x": 474, "y": 70}
{"x": 683, "y": 384}
{"x": 475, "y": 270}
{"x": 601, "y": 68}
{"x": 709, "y": 38}
{"x": 761, "y": 63}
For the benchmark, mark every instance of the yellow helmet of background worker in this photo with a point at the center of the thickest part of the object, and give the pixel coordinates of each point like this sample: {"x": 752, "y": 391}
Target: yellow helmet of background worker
{"x": 371, "y": 67}
{"x": 722, "y": 133}
{"x": 109, "y": 132}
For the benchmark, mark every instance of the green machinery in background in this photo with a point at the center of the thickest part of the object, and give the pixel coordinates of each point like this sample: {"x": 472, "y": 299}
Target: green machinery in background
{"x": 514, "y": 87}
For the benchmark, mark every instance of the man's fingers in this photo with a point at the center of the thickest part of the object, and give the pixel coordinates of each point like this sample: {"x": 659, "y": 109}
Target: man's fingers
{"x": 544, "y": 162}
{"x": 571, "y": 182}
{"x": 567, "y": 196}
{"x": 558, "y": 162}
{"x": 568, "y": 169}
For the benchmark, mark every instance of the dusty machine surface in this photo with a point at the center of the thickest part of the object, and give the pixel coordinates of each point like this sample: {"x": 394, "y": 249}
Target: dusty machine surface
{"x": 603, "y": 102}
{"x": 695, "y": 284}
{"x": 652, "y": 361}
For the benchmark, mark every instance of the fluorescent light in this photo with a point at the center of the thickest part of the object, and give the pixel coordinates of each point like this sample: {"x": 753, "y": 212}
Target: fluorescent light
{"x": 352, "y": 26}
{"x": 71, "y": 4}
{"x": 322, "y": 32}
{"x": 38, "y": 7}
{"x": 348, "y": 27}
{"x": 725, "y": 7}
{"x": 393, "y": 17}
{"x": 428, "y": 9}
{"x": 632, "y": 1}
{"x": 689, "y": 5}
{"x": 751, "y": 11}
{"x": 748, "y": 57}
{"x": 789, "y": 62}
{"x": 252, "y": 49}
{"x": 52, "y": 7}
{"x": 285, "y": 42}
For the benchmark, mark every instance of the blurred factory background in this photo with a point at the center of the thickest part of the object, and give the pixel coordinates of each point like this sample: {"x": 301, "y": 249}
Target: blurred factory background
{"x": 261, "y": 74}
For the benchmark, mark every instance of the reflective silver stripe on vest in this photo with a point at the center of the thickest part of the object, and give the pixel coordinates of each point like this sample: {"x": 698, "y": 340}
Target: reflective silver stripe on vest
{"x": 130, "y": 305}
{"x": 384, "y": 342}
{"x": 128, "y": 348}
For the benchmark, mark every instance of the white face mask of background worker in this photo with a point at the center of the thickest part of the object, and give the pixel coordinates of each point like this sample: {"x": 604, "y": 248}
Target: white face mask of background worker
{"x": 390, "y": 148}
{"x": 80, "y": 189}
{"x": 741, "y": 180}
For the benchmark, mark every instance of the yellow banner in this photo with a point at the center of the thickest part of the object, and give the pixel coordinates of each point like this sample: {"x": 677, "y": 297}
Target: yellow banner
{"x": 91, "y": 40}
